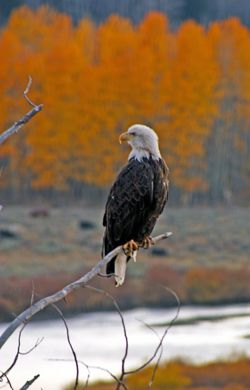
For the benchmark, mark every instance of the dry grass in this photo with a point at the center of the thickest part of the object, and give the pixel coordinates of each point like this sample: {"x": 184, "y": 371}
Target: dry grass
{"x": 208, "y": 246}
{"x": 202, "y": 237}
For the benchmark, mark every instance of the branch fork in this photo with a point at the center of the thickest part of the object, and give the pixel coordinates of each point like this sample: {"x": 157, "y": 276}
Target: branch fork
{"x": 26, "y": 118}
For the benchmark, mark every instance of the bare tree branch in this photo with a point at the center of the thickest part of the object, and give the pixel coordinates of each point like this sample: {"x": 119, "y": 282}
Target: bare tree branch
{"x": 159, "y": 346}
{"x": 32, "y": 293}
{"x": 70, "y": 344}
{"x": 19, "y": 353}
{"x": 16, "y": 355}
{"x": 26, "y": 118}
{"x": 27, "y": 314}
{"x": 159, "y": 357}
{"x": 38, "y": 342}
{"x": 25, "y": 93}
{"x": 120, "y": 380}
{"x": 8, "y": 382}
{"x": 29, "y": 383}
{"x": 161, "y": 340}
{"x": 89, "y": 367}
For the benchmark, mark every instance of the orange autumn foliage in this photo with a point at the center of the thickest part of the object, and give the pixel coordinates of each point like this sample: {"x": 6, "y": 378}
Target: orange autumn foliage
{"x": 95, "y": 81}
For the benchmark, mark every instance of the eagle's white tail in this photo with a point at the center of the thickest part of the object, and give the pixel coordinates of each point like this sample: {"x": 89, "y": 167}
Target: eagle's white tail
{"x": 120, "y": 267}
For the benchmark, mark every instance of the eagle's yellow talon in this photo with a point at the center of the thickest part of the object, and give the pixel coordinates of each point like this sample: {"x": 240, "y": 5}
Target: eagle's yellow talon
{"x": 130, "y": 247}
{"x": 147, "y": 242}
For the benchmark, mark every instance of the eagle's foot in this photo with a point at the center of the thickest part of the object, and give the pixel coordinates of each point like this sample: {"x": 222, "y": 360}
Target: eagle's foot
{"x": 147, "y": 242}
{"x": 129, "y": 248}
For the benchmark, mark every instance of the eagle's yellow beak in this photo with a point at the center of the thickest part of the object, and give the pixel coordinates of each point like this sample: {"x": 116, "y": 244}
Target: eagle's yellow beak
{"x": 124, "y": 137}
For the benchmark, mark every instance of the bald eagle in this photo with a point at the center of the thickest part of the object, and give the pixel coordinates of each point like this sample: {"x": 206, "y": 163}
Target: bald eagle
{"x": 136, "y": 199}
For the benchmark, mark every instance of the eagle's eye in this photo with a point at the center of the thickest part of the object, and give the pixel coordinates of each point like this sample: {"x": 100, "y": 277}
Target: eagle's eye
{"x": 133, "y": 133}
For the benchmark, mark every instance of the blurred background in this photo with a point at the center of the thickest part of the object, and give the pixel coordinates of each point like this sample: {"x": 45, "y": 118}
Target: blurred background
{"x": 181, "y": 67}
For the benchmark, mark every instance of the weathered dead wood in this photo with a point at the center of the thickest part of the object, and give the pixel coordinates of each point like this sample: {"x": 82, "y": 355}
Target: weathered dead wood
{"x": 26, "y": 118}
{"x": 29, "y": 383}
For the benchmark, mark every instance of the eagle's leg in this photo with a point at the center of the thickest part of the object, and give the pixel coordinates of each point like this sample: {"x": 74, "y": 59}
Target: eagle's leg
{"x": 129, "y": 248}
{"x": 147, "y": 242}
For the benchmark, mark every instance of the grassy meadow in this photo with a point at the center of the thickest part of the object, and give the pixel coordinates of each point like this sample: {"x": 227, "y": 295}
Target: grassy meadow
{"x": 206, "y": 261}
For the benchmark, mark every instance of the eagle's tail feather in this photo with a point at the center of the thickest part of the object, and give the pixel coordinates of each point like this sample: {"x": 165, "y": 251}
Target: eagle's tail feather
{"x": 120, "y": 269}
{"x": 117, "y": 266}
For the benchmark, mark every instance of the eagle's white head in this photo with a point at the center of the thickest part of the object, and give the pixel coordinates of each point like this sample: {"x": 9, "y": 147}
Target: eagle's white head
{"x": 144, "y": 142}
